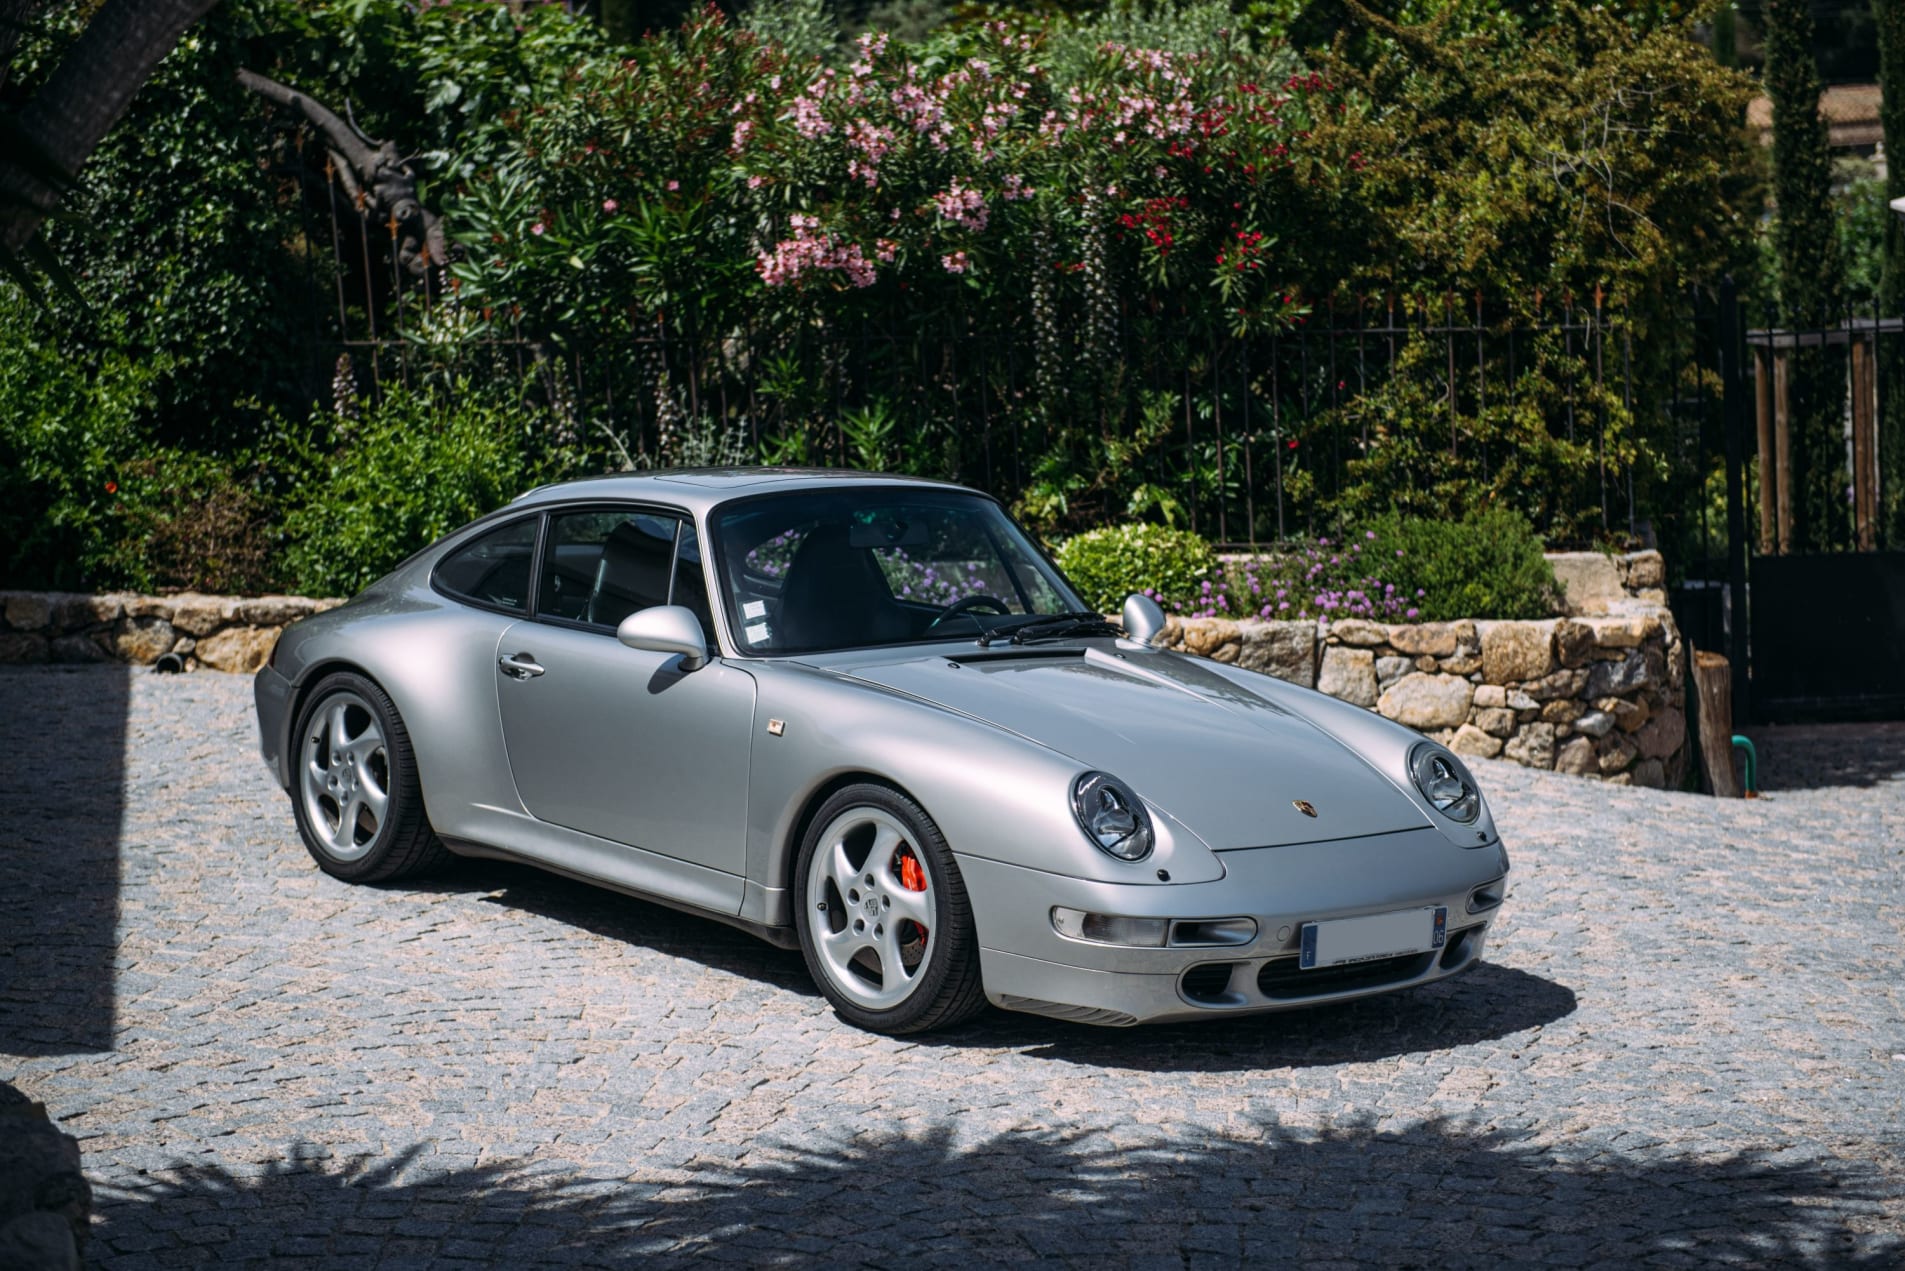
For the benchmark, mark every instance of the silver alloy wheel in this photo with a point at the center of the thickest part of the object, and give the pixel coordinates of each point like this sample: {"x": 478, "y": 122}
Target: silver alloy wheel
{"x": 346, "y": 781}
{"x": 872, "y": 931}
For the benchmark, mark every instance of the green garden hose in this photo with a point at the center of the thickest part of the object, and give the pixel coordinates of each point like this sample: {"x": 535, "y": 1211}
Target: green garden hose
{"x": 1752, "y": 764}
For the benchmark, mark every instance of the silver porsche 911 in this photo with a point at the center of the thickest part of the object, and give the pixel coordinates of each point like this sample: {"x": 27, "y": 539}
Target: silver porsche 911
{"x": 866, "y": 717}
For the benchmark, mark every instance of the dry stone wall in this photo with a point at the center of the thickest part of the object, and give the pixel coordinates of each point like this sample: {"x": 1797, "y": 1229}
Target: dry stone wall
{"x": 1598, "y": 692}
{"x": 221, "y": 632}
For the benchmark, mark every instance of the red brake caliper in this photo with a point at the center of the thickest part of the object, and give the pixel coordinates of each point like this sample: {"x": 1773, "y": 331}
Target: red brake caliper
{"x": 913, "y": 878}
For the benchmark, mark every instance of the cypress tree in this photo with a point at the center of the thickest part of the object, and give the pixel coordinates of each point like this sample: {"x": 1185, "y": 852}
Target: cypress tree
{"x": 1811, "y": 275}
{"x": 1891, "y": 364}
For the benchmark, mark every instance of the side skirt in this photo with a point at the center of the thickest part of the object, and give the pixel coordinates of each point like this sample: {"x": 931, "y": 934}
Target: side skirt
{"x": 779, "y": 937}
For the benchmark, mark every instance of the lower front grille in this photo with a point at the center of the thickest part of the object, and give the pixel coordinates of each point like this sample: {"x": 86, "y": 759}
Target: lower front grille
{"x": 1284, "y": 980}
{"x": 1103, "y": 1016}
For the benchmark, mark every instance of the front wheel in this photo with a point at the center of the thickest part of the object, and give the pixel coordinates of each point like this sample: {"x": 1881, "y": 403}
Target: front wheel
{"x": 883, "y": 916}
{"x": 359, "y": 804}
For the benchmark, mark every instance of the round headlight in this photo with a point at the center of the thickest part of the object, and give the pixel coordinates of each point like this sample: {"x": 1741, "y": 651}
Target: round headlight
{"x": 1111, "y": 816}
{"x": 1445, "y": 783}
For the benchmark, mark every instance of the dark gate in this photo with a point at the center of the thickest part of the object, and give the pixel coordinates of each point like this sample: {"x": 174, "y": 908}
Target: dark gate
{"x": 1822, "y": 584}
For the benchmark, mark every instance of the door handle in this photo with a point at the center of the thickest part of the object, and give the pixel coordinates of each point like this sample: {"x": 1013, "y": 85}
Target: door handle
{"x": 519, "y": 666}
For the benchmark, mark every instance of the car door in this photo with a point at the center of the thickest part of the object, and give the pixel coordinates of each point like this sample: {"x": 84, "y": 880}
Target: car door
{"x": 620, "y": 743}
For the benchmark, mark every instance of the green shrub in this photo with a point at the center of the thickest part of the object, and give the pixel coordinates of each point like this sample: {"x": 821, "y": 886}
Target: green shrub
{"x": 1487, "y": 565}
{"x": 70, "y": 424}
{"x": 1173, "y": 567}
{"x": 416, "y": 466}
{"x": 189, "y": 521}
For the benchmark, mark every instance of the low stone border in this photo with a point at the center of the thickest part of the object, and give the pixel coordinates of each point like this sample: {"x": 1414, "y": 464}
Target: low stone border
{"x": 222, "y": 632}
{"x": 1597, "y": 693}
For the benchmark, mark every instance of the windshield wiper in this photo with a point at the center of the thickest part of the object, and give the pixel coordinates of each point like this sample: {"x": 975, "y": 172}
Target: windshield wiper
{"x": 1052, "y": 626}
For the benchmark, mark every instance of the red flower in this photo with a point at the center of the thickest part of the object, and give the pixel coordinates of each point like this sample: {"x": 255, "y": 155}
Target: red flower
{"x": 112, "y": 487}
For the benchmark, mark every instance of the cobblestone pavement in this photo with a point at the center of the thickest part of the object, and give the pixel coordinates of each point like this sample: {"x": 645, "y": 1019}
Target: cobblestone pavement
{"x": 1685, "y": 1047}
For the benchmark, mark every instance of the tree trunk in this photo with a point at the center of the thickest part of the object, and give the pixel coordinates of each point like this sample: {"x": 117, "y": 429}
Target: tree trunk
{"x": 88, "y": 92}
{"x": 1713, "y": 693}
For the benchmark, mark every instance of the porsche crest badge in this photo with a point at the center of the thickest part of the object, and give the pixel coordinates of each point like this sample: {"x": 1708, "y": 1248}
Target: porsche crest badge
{"x": 1304, "y": 806}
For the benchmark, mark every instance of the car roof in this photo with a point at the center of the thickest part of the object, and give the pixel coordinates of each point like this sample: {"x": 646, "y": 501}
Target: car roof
{"x": 699, "y": 489}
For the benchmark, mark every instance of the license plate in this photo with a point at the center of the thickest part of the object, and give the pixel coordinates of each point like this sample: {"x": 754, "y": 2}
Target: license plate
{"x": 1342, "y": 941}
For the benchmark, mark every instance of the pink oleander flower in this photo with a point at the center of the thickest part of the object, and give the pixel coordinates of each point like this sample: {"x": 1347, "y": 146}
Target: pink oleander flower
{"x": 955, "y": 263}
{"x": 811, "y": 250}
{"x": 610, "y": 205}
{"x": 808, "y": 121}
{"x": 964, "y": 207}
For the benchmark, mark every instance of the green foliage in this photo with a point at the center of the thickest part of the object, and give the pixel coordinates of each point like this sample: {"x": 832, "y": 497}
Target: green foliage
{"x": 1811, "y": 272}
{"x": 1486, "y": 565}
{"x": 70, "y": 424}
{"x": 1106, "y": 565}
{"x": 804, "y": 28}
{"x": 178, "y": 235}
{"x": 372, "y": 491}
{"x": 1863, "y": 221}
{"x": 1074, "y": 43}
{"x": 1418, "y": 449}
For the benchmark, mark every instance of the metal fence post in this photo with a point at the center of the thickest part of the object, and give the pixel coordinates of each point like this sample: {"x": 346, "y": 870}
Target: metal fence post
{"x": 1733, "y": 416}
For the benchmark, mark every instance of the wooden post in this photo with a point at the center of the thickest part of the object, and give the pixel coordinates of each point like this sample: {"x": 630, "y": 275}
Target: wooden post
{"x": 1713, "y": 692}
{"x": 1782, "y": 453}
{"x": 1865, "y": 451}
{"x": 1768, "y": 470}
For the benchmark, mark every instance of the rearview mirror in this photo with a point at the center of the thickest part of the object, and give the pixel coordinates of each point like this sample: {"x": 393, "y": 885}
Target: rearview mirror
{"x": 1142, "y": 618}
{"x": 666, "y": 629}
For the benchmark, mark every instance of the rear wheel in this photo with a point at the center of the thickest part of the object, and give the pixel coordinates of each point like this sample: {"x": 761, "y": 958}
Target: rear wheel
{"x": 359, "y": 805}
{"x": 883, "y": 917}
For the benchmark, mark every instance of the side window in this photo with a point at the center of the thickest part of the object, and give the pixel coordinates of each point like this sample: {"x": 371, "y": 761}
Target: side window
{"x": 601, "y": 567}
{"x": 493, "y": 568}
{"x": 691, "y": 582}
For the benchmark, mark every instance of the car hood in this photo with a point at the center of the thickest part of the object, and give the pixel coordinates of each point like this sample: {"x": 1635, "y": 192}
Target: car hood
{"x": 1226, "y": 763}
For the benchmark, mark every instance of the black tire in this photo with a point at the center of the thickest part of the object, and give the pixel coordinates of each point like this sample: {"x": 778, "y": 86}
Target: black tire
{"x": 948, "y": 988}
{"x": 402, "y": 845}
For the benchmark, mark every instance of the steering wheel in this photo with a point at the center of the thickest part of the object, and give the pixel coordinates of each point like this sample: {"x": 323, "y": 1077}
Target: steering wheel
{"x": 967, "y": 605}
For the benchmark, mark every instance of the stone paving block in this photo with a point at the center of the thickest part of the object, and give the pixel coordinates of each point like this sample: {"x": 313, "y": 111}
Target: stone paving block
{"x": 1679, "y": 1045}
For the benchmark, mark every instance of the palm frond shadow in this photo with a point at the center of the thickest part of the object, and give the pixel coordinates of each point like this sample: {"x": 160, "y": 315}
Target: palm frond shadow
{"x": 1436, "y": 1193}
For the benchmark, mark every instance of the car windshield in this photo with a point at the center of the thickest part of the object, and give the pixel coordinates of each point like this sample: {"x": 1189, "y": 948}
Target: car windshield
{"x": 851, "y": 568}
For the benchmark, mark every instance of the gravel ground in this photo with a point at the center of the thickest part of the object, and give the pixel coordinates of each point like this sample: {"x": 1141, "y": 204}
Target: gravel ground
{"x": 1686, "y": 1047}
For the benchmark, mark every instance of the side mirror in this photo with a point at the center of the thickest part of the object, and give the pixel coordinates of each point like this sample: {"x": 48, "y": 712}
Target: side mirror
{"x": 1142, "y": 618}
{"x": 666, "y": 629}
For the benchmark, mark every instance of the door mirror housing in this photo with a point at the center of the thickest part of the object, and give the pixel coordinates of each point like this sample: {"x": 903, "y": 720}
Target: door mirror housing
{"x": 666, "y": 629}
{"x": 1142, "y": 618}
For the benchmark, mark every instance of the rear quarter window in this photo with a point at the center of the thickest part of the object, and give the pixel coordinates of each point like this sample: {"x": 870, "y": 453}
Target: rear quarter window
{"x": 492, "y": 569}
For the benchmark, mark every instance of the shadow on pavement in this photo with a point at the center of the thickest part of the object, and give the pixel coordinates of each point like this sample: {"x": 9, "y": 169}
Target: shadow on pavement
{"x": 1434, "y": 1194}
{"x": 623, "y": 918}
{"x": 1817, "y": 756}
{"x": 62, "y": 770}
{"x": 1480, "y": 1005}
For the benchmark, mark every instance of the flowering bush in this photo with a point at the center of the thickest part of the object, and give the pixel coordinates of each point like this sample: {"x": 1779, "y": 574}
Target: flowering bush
{"x": 1324, "y": 580}
{"x": 904, "y": 155}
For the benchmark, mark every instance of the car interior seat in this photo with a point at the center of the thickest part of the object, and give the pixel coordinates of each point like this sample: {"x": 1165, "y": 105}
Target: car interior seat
{"x": 835, "y": 595}
{"x": 632, "y": 574}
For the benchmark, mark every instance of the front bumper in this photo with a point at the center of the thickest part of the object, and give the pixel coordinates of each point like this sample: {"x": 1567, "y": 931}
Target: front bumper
{"x": 273, "y": 693}
{"x": 1029, "y": 966}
